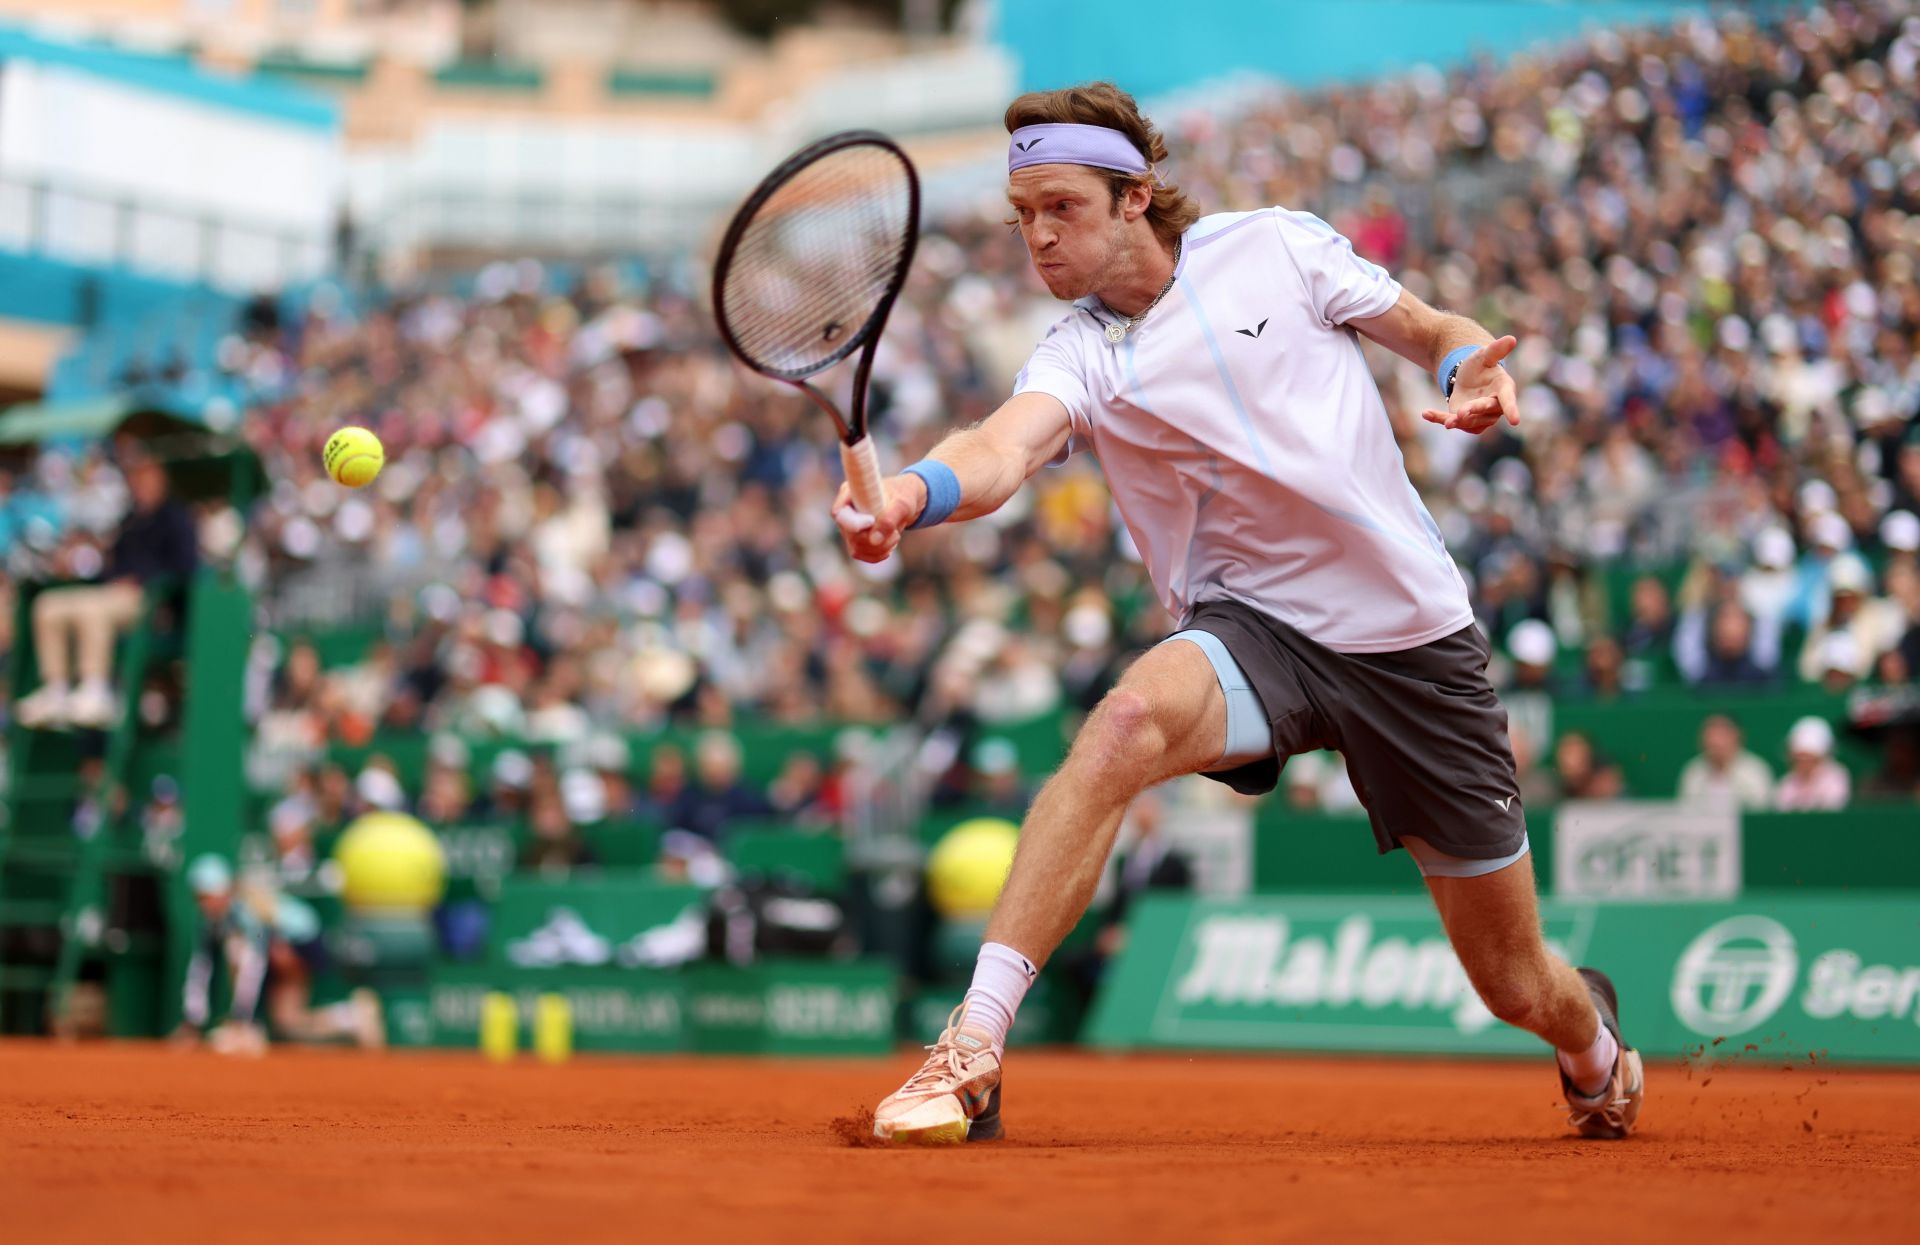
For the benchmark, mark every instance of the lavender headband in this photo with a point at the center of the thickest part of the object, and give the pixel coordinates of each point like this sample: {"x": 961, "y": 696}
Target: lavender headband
{"x": 1094, "y": 145}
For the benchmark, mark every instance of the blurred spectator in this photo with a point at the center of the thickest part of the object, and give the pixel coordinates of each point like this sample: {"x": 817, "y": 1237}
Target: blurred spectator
{"x": 666, "y": 783}
{"x": 802, "y": 794}
{"x": 1581, "y": 773}
{"x": 1727, "y": 661}
{"x": 1529, "y": 700}
{"x": 1898, "y": 777}
{"x": 1814, "y": 780}
{"x": 1873, "y": 625}
{"x": 510, "y": 790}
{"x": 1648, "y": 640}
{"x": 1318, "y": 782}
{"x": 717, "y": 796}
{"x": 555, "y": 848}
{"x": 77, "y": 625}
{"x": 446, "y": 798}
{"x": 997, "y": 783}
{"x": 1605, "y": 672}
{"x": 610, "y": 758}
{"x": 1725, "y": 774}
{"x": 1769, "y": 587}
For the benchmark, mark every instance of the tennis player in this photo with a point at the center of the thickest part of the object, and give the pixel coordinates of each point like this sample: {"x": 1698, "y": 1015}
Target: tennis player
{"x": 1214, "y": 366}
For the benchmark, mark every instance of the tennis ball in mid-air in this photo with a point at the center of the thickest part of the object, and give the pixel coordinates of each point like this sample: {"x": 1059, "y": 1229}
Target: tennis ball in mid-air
{"x": 353, "y": 457}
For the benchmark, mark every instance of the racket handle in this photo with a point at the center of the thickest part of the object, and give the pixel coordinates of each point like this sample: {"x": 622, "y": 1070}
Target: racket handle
{"x": 863, "y": 475}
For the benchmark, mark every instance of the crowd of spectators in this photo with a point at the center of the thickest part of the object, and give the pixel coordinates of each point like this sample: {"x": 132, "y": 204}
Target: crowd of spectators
{"x": 1705, "y": 237}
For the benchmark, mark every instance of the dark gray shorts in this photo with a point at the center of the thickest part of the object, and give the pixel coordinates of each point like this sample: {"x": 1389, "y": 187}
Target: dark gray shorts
{"x": 1424, "y": 735}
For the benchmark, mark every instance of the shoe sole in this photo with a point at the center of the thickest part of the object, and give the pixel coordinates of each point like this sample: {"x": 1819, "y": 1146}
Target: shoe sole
{"x": 984, "y": 1127}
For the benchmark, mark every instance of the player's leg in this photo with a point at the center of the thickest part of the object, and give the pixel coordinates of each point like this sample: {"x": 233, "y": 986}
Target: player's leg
{"x": 1167, "y": 716}
{"x": 1492, "y": 918}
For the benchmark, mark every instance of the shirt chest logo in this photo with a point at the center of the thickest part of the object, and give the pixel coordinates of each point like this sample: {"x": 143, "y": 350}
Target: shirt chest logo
{"x": 1256, "y": 330}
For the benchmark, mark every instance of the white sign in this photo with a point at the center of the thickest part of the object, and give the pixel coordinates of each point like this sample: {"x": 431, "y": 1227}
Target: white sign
{"x": 1645, "y": 850}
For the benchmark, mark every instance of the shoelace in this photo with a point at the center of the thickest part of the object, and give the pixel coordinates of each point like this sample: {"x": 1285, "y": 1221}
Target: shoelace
{"x": 935, "y": 1067}
{"x": 1613, "y": 1110}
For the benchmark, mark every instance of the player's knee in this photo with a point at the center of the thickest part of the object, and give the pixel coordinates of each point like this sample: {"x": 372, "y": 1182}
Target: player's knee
{"x": 1122, "y": 742}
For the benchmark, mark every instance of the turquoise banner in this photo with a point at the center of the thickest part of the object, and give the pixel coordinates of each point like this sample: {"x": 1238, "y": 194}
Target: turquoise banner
{"x": 1830, "y": 973}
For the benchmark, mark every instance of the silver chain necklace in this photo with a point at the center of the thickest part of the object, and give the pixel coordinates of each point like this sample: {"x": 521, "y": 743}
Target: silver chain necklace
{"x": 1117, "y": 332}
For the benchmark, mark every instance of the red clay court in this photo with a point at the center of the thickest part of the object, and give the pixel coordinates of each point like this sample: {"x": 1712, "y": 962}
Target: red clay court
{"x": 443, "y": 1147}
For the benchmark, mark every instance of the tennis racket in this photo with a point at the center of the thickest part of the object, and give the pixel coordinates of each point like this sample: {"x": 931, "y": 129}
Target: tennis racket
{"x": 809, "y": 269}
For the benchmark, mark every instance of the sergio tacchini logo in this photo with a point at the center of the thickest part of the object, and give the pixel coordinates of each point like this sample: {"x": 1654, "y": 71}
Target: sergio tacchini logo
{"x": 1734, "y": 975}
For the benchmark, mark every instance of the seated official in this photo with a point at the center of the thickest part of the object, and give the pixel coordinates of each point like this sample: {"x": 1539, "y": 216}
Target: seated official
{"x": 78, "y": 624}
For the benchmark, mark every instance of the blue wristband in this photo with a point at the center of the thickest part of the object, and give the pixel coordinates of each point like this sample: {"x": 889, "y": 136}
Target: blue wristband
{"x": 943, "y": 491}
{"x": 1451, "y": 365}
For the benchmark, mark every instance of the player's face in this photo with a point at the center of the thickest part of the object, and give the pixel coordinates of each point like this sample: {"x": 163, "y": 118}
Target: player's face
{"x": 1070, "y": 223}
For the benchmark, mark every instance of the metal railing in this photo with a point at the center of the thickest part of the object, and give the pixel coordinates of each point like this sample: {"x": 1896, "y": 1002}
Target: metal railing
{"x": 74, "y": 222}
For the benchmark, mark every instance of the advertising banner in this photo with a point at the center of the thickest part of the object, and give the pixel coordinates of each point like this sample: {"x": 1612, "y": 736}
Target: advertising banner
{"x": 786, "y": 1007}
{"x": 1645, "y": 850}
{"x": 1820, "y": 972}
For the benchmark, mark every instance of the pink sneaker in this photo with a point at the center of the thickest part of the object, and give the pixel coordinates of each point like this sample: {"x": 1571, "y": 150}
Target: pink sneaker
{"x": 954, "y": 1097}
{"x": 1613, "y": 1114}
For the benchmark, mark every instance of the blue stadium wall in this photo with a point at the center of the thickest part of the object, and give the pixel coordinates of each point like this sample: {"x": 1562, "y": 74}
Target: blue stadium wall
{"x": 1152, "y": 47}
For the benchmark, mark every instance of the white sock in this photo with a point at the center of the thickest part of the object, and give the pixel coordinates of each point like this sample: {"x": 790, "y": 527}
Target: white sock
{"x": 1592, "y": 1068}
{"x": 1000, "y": 979}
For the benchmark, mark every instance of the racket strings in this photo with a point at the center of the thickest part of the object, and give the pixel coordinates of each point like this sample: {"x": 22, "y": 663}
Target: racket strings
{"x": 817, "y": 259}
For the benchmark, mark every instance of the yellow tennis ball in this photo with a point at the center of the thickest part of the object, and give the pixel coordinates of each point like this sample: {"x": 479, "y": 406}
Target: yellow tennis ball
{"x": 390, "y": 861}
{"x": 969, "y": 866}
{"x": 354, "y": 457}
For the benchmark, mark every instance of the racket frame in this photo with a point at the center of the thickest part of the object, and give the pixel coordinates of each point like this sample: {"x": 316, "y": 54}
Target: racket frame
{"x": 857, "y": 455}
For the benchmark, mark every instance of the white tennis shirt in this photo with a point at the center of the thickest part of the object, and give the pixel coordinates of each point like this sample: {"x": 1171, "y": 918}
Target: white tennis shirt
{"x": 1246, "y": 444}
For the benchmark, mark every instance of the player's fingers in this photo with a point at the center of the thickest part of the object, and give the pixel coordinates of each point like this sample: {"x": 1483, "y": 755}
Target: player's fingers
{"x": 852, "y": 520}
{"x": 1436, "y": 417}
{"x": 1489, "y": 405}
{"x": 1510, "y": 406}
{"x": 1496, "y": 350}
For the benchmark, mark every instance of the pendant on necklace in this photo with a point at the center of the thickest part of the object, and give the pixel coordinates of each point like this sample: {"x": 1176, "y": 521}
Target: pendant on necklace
{"x": 1116, "y": 333}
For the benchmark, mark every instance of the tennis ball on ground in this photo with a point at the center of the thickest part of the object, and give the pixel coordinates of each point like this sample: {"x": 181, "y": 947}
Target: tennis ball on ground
{"x": 353, "y": 457}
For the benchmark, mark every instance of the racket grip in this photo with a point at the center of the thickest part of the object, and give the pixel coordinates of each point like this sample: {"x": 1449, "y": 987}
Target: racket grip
{"x": 862, "y": 466}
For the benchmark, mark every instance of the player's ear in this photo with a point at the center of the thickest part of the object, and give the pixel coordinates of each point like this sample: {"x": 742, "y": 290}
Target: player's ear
{"x": 1139, "y": 199}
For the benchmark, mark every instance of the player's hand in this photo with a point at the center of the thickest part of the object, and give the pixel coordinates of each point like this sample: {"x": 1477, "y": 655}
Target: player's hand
{"x": 1483, "y": 392}
{"x": 872, "y": 538}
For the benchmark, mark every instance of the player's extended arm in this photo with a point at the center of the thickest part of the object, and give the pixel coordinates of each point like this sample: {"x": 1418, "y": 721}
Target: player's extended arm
{"x": 990, "y": 459}
{"x": 1483, "y": 393}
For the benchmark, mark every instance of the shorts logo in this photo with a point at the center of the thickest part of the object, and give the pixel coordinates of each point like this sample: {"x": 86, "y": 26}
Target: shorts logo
{"x": 1504, "y": 804}
{"x": 1734, "y": 975}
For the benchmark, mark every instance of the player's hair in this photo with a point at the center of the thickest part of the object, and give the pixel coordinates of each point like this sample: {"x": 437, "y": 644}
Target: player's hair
{"x": 1103, "y": 103}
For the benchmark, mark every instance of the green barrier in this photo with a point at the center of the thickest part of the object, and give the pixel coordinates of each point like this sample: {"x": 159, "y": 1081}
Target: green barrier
{"x": 819, "y": 860}
{"x": 1831, "y": 973}
{"x": 792, "y": 1007}
{"x": 613, "y": 1009}
{"x": 1867, "y": 847}
{"x": 1335, "y": 852}
{"x": 776, "y": 1007}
